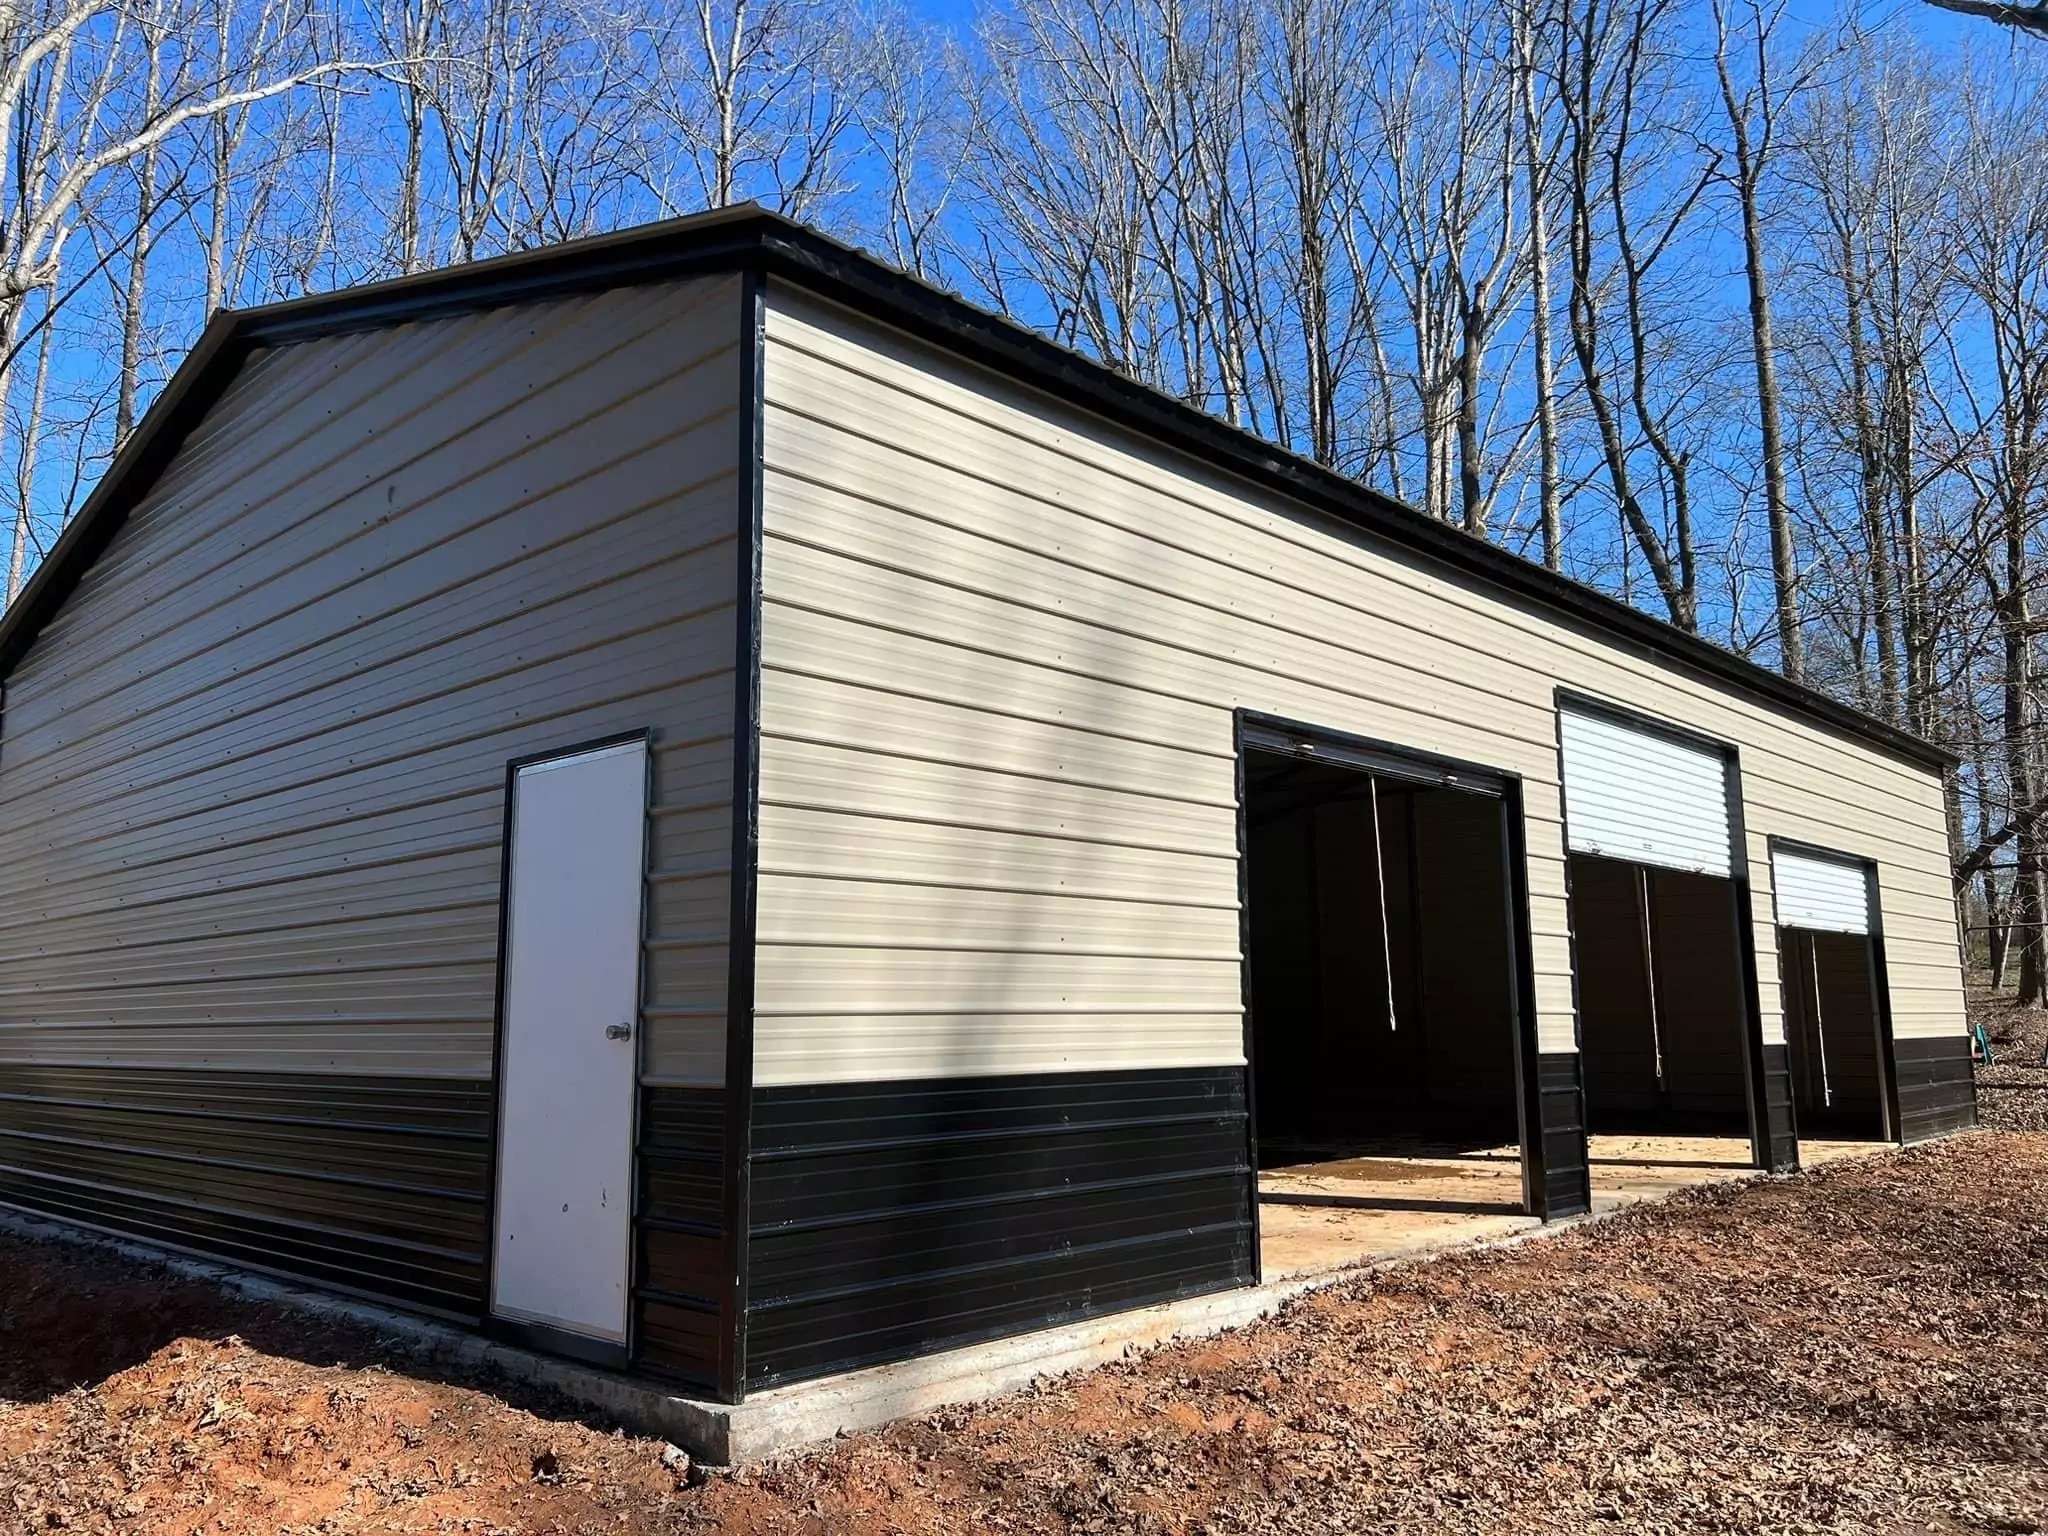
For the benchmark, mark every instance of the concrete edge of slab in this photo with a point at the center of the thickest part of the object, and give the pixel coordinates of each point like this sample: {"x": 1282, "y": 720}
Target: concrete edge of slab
{"x": 792, "y": 1418}
{"x": 781, "y": 1419}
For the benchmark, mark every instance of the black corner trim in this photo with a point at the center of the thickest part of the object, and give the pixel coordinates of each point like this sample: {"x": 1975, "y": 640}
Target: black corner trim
{"x": 1567, "y": 1177}
{"x": 1780, "y": 1120}
{"x": 1244, "y": 986}
{"x": 746, "y": 838}
{"x": 1773, "y": 1131}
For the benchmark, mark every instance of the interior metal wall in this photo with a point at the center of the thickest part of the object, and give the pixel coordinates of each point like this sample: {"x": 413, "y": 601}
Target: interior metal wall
{"x": 1849, "y": 1099}
{"x": 1689, "y": 972}
{"x": 1346, "y": 1050}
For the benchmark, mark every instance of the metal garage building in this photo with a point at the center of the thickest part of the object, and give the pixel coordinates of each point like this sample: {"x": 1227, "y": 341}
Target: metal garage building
{"x": 693, "y": 799}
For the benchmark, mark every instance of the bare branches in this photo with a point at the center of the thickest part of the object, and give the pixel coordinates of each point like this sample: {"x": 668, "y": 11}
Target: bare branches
{"x": 2022, "y": 16}
{"x": 1748, "y": 325}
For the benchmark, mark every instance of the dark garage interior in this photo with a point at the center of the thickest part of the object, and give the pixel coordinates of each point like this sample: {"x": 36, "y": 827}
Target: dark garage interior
{"x": 1382, "y": 987}
{"x": 1662, "y": 1018}
{"x": 1833, "y": 1032}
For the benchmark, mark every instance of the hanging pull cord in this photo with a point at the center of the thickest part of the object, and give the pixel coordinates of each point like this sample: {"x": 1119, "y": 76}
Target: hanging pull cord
{"x": 1379, "y": 869}
{"x": 1650, "y": 971}
{"x": 1820, "y": 1034}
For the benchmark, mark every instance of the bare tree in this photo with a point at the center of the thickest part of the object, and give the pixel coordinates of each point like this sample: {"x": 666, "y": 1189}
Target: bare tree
{"x": 2022, "y": 15}
{"x": 916, "y": 105}
{"x": 79, "y": 99}
{"x": 1605, "y": 64}
{"x": 1538, "y": 149}
{"x": 2001, "y": 233}
{"x": 755, "y": 94}
{"x": 1754, "y": 102}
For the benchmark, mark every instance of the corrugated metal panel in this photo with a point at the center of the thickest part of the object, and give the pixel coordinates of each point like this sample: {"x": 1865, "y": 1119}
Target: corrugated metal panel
{"x": 1832, "y": 1027}
{"x": 1781, "y": 1141}
{"x": 1816, "y": 892}
{"x": 253, "y": 770}
{"x": 891, "y": 1219}
{"x": 976, "y": 598}
{"x": 679, "y": 1268}
{"x": 1561, "y": 1099}
{"x": 1638, "y": 795}
{"x": 375, "y": 1184}
{"x": 1937, "y": 1088}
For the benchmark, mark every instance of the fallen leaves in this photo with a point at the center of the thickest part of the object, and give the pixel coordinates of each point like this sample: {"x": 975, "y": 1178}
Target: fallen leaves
{"x": 1860, "y": 1350}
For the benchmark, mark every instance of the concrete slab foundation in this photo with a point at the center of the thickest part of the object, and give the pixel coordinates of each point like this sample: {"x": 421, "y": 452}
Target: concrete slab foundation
{"x": 1305, "y": 1246}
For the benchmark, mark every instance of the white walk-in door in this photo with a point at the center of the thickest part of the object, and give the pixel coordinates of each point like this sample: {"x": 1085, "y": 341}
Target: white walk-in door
{"x": 1645, "y": 796}
{"x": 1817, "y": 891}
{"x": 572, "y": 963}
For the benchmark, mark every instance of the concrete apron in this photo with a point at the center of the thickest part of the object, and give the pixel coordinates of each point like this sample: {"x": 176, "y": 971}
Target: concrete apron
{"x": 805, "y": 1413}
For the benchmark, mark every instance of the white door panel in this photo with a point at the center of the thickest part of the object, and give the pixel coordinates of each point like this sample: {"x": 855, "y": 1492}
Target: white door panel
{"x": 1643, "y": 796}
{"x": 572, "y": 981}
{"x": 1818, "y": 892}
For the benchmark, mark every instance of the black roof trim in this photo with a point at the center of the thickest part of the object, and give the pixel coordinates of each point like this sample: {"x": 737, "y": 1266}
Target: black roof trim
{"x": 735, "y": 238}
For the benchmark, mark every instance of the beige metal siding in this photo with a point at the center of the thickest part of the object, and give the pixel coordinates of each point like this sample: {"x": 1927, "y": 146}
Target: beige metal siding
{"x": 1001, "y": 643}
{"x": 252, "y": 776}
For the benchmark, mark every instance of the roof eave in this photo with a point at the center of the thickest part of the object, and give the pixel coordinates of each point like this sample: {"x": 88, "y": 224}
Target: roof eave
{"x": 841, "y": 273}
{"x": 183, "y": 402}
{"x": 735, "y": 238}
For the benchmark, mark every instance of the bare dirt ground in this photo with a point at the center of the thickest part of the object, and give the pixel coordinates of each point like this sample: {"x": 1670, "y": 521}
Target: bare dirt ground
{"x": 1864, "y": 1349}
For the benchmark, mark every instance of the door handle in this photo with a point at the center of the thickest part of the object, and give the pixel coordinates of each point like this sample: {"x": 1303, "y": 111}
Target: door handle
{"x": 618, "y": 1031}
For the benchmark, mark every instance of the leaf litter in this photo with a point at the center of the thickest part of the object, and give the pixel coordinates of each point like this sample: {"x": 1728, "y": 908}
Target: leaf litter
{"x": 1861, "y": 1349}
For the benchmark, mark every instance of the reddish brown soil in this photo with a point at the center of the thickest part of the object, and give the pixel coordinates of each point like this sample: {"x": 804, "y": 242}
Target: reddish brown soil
{"x": 1864, "y": 1349}
{"x": 135, "y": 1401}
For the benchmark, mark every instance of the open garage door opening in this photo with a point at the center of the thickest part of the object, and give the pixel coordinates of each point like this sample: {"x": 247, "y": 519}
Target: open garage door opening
{"x": 1829, "y": 973}
{"x": 1663, "y": 1021}
{"x": 1666, "y": 1028}
{"x": 1382, "y": 988}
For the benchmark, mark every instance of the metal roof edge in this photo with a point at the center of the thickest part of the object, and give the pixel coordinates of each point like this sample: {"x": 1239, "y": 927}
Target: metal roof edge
{"x": 734, "y": 238}
{"x": 848, "y": 276}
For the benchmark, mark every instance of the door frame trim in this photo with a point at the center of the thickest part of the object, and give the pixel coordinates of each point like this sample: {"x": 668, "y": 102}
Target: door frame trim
{"x": 560, "y": 1341}
{"x": 1754, "y": 1071}
{"x": 1879, "y": 966}
{"x": 1255, "y": 731}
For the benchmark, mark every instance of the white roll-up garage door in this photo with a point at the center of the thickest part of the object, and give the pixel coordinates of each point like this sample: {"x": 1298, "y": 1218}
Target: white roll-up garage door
{"x": 1815, "y": 891}
{"x": 1644, "y": 796}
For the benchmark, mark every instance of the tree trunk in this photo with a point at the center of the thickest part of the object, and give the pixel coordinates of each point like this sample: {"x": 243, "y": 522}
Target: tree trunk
{"x": 135, "y": 293}
{"x": 1871, "y": 486}
{"x": 1995, "y": 931}
{"x": 1550, "y": 492}
{"x": 1749, "y": 157}
{"x": 1471, "y": 472}
{"x": 1784, "y": 556}
{"x": 17, "y": 551}
{"x": 2030, "y": 895}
